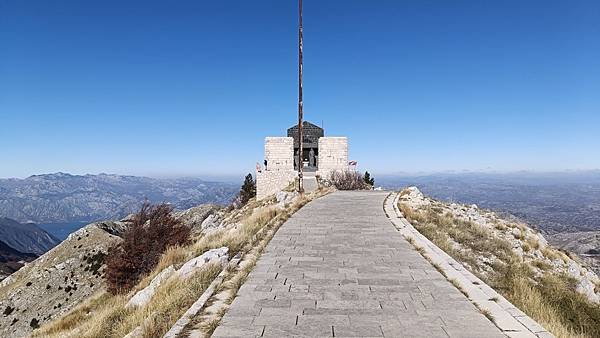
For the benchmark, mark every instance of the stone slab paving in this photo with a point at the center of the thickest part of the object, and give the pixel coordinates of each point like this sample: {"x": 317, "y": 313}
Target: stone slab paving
{"x": 310, "y": 181}
{"x": 339, "y": 268}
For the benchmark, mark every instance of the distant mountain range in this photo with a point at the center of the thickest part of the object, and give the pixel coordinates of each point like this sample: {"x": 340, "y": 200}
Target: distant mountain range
{"x": 60, "y": 197}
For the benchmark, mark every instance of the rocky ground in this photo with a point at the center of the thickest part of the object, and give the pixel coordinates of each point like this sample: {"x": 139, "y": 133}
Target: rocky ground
{"x": 55, "y": 282}
{"x": 528, "y": 244}
{"x": 201, "y": 217}
{"x": 72, "y": 272}
{"x": 585, "y": 244}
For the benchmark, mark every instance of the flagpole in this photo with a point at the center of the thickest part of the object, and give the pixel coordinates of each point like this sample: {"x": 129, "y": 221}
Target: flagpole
{"x": 300, "y": 102}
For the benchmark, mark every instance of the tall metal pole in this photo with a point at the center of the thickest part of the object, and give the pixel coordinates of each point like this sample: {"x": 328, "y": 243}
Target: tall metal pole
{"x": 300, "y": 103}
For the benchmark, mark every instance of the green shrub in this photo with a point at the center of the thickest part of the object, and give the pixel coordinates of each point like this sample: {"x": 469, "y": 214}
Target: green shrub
{"x": 248, "y": 190}
{"x": 368, "y": 179}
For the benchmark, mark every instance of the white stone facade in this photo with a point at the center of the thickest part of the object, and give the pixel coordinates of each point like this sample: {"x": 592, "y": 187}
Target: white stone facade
{"x": 279, "y": 173}
{"x": 271, "y": 182}
{"x": 333, "y": 155}
{"x": 279, "y": 153}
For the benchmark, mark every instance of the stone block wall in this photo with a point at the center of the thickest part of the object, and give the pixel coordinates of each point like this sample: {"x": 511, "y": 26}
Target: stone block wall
{"x": 279, "y": 153}
{"x": 279, "y": 174}
{"x": 269, "y": 182}
{"x": 333, "y": 155}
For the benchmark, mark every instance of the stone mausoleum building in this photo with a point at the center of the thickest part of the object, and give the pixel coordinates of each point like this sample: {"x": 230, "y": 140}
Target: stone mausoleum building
{"x": 321, "y": 156}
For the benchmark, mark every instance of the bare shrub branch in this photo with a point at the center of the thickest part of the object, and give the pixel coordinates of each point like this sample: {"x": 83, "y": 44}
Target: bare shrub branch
{"x": 348, "y": 180}
{"x": 153, "y": 229}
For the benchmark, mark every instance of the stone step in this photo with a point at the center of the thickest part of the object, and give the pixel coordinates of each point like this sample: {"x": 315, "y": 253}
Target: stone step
{"x": 309, "y": 174}
{"x": 310, "y": 184}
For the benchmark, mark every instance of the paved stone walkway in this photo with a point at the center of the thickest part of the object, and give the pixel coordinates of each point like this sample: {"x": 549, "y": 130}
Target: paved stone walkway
{"x": 310, "y": 182}
{"x": 338, "y": 268}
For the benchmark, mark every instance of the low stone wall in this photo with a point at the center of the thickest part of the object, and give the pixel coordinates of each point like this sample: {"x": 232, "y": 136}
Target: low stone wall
{"x": 269, "y": 182}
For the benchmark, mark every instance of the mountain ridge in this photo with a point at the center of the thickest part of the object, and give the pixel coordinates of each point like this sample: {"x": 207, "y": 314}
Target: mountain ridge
{"x": 63, "y": 197}
{"x": 12, "y": 260}
{"x": 26, "y": 237}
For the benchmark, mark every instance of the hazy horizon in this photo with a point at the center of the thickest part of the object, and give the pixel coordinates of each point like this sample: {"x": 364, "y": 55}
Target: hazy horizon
{"x": 238, "y": 177}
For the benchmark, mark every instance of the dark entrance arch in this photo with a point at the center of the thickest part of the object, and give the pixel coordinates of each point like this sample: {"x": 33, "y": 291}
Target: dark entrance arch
{"x": 310, "y": 144}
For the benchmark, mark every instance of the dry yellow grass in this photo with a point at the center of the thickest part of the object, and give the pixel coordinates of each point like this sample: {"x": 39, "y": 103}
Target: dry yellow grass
{"x": 554, "y": 254}
{"x": 105, "y": 315}
{"x": 530, "y": 300}
{"x": 75, "y": 317}
{"x": 499, "y": 225}
{"x": 175, "y": 256}
{"x": 167, "y": 306}
{"x": 551, "y": 300}
{"x": 533, "y": 243}
{"x": 87, "y": 319}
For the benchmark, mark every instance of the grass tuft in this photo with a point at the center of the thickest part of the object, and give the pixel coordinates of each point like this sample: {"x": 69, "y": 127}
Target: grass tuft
{"x": 549, "y": 298}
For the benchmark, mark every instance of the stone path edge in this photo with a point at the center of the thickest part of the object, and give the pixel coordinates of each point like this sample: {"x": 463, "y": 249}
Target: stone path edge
{"x": 195, "y": 308}
{"x": 507, "y": 317}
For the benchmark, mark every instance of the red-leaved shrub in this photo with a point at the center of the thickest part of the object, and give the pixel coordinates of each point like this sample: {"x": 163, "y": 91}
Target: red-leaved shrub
{"x": 153, "y": 229}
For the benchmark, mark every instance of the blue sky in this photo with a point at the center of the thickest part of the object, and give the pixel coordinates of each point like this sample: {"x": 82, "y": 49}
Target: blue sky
{"x": 193, "y": 87}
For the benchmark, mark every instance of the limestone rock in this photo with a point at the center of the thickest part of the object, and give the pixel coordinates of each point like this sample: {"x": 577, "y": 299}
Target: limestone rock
{"x": 586, "y": 244}
{"x": 114, "y": 228}
{"x": 211, "y": 222}
{"x": 285, "y": 197}
{"x": 516, "y": 232}
{"x": 414, "y": 196}
{"x": 219, "y": 255}
{"x": 542, "y": 240}
{"x": 6, "y": 281}
{"x": 195, "y": 217}
{"x": 143, "y": 296}
{"x": 586, "y": 287}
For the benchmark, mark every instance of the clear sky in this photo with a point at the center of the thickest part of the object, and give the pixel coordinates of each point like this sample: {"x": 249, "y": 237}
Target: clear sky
{"x": 168, "y": 88}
